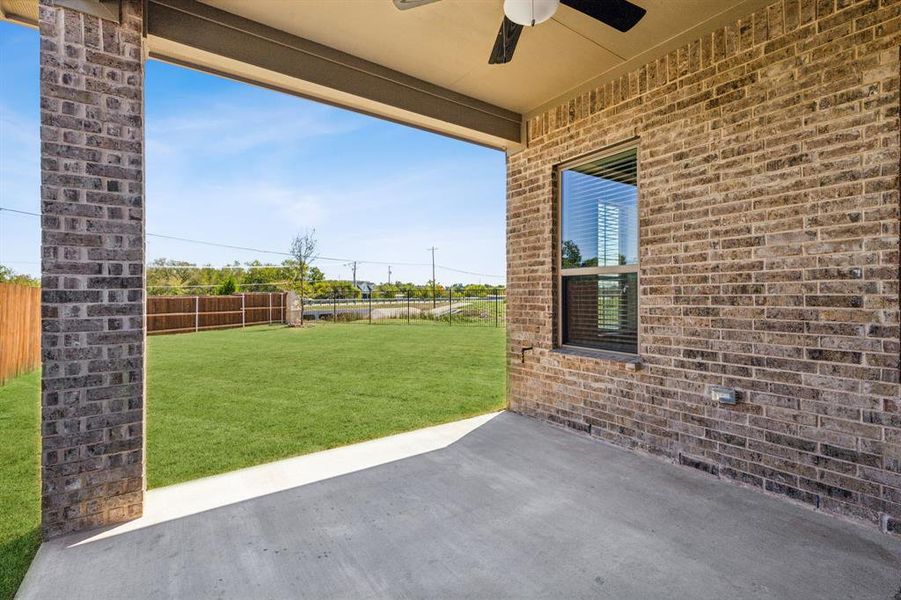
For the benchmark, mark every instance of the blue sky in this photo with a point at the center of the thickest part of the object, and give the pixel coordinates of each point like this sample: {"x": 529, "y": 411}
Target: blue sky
{"x": 236, "y": 164}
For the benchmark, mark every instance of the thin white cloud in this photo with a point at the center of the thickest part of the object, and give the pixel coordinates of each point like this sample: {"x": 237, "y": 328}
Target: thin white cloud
{"x": 19, "y": 146}
{"x": 299, "y": 209}
{"x": 17, "y": 129}
{"x": 224, "y": 128}
{"x": 234, "y": 201}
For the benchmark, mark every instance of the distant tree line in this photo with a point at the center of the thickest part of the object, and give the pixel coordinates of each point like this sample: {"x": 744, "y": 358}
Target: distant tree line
{"x": 388, "y": 290}
{"x": 167, "y": 277}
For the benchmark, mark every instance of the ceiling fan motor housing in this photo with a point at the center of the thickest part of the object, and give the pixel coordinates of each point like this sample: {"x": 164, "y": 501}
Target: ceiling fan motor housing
{"x": 622, "y": 15}
{"x": 530, "y": 12}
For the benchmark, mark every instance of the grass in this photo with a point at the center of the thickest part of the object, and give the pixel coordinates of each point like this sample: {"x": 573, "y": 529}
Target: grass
{"x": 223, "y": 400}
{"x": 20, "y": 493}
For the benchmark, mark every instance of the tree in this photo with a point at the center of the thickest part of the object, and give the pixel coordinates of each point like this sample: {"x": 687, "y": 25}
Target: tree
{"x": 333, "y": 288}
{"x": 316, "y": 275}
{"x": 387, "y": 290}
{"x": 229, "y": 286}
{"x": 572, "y": 256}
{"x": 258, "y": 277}
{"x": 432, "y": 290}
{"x": 7, "y": 275}
{"x": 478, "y": 290}
{"x": 303, "y": 250}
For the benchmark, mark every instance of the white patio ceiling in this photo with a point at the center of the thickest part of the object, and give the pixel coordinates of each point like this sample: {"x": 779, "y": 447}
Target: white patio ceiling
{"x": 447, "y": 43}
{"x": 425, "y": 66}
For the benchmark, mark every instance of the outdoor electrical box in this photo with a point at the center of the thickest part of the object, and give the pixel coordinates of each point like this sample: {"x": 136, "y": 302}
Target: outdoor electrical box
{"x": 723, "y": 395}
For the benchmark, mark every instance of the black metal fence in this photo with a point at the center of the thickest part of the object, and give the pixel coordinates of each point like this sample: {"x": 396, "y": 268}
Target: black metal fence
{"x": 447, "y": 307}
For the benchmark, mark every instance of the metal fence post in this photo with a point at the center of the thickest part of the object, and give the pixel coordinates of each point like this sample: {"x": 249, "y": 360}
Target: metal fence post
{"x": 196, "y": 314}
{"x": 450, "y": 306}
{"x": 334, "y": 306}
{"x": 497, "y": 309}
{"x": 370, "y": 307}
{"x": 408, "y": 307}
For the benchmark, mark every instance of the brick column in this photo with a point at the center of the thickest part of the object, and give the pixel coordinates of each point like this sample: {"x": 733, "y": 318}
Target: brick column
{"x": 92, "y": 204}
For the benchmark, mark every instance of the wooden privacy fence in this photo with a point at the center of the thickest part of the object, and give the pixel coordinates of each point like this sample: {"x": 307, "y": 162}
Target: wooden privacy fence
{"x": 20, "y": 330}
{"x": 179, "y": 314}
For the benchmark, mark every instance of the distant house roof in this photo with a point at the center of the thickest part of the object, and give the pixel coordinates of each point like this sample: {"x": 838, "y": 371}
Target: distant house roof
{"x": 365, "y": 286}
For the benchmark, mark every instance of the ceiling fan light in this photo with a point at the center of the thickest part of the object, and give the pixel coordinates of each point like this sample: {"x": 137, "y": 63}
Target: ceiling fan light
{"x": 530, "y": 12}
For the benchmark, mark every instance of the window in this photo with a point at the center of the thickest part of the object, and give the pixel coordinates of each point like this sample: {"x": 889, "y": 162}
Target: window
{"x": 599, "y": 253}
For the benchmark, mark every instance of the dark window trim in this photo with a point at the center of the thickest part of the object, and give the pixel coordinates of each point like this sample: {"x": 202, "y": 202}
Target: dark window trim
{"x": 630, "y": 361}
{"x": 605, "y": 152}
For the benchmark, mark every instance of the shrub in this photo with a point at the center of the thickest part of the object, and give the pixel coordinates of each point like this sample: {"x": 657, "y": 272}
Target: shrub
{"x": 229, "y": 286}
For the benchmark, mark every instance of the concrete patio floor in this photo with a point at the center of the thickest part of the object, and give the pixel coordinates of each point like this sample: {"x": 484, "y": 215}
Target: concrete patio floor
{"x": 514, "y": 508}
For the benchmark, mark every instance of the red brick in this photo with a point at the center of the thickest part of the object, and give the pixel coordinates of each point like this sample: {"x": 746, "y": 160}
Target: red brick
{"x": 769, "y": 205}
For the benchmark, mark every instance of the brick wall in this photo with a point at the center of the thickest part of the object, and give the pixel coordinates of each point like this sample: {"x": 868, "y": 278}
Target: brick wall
{"x": 92, "y": 194}
{"x": 769, "y": 217}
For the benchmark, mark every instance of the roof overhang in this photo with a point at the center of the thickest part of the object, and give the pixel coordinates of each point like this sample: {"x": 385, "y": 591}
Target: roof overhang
{"x": 425, "y": 67}
{"x": 196, "y": 35}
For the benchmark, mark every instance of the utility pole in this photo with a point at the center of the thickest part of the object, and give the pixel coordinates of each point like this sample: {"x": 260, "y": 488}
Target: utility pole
{"x": 354, "y": 266}
{"x": 389, "y": 274}
{"x": 433, "y": 248}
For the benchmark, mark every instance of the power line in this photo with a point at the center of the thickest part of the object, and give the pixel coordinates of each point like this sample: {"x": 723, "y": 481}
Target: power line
{"x": 247, "y": 248}
{"x": 193, "y": 241}
{"x": 205, "y": 243}
{"x": 393, "y": 262}
{"x": 259, "y": 250}
{"x": 471, "y": 272}
{"x": 281, "y": 253}
{"x": 273, "y": 266}
{"x": 21, "y": 212}
{"x": 262, "y": 251}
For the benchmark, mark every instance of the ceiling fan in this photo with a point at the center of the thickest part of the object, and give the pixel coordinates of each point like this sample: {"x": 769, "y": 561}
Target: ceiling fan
{"x": 622, "y": 15}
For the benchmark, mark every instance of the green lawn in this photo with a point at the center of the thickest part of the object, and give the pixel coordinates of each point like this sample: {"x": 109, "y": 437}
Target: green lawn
{"x": 222, "y": 400}
{"x": 20, "y": 492}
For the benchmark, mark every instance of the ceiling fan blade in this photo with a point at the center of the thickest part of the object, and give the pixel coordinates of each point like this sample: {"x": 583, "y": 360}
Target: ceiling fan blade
{"x": 505, "y": 43}
{"x": 405, "y": 4}
{"x": 619, "y": 14}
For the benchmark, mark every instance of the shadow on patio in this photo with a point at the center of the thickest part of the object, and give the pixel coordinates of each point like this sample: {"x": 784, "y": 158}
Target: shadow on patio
{"x": 516, "y": 508}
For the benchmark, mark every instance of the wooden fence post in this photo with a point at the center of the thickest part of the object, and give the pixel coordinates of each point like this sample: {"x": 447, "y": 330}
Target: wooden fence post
{"x": 20, "y": 330}
{"x": 243, "y": 312}
{"x": 196, "y": 314}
